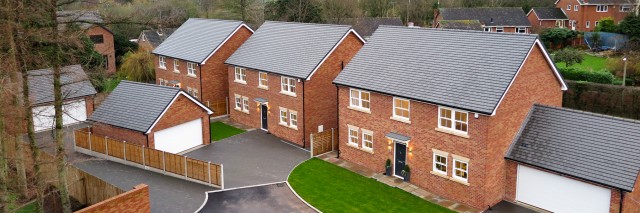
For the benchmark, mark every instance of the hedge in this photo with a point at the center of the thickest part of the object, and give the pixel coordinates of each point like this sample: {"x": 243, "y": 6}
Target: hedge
{"x": 612, "y": 100}
{"x": 579, "y": 74}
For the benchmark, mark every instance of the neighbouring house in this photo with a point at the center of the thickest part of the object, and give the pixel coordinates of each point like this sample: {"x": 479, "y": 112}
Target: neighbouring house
{"x": 565, "y": 160}
{"x": 77, "y": 96}
{"x": 159, "y": 117}
{"x": 192, "y": 58}
{"x": 150, "y": 39}
{"x": 367, "y": 25}
{"x": 448, "y": 111}
{"x": 547, "y": 17}
{"x": 460, "y": 24}
{"x": 584, "y": 15}
{"x": 100, "y": 35}
{"x": 493, "y": 19}
{"x": 280, "y": 80}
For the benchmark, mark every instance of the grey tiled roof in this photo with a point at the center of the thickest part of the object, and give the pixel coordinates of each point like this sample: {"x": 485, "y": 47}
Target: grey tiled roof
{"x": 489, "y": 16}
{"x": 467, "y": 70}
{"x": 397, "y": 136}
{"x": 598, "y": 148}
{"x": 288, "y": 48}
{"x": 367, "y": 25}
{"x": 155, "y": 37}
{"x": 75, "y": 83}
{"x": 607, "y": 2}
{"x": 134, "y": 105}
{"x": 197, "y": 38}
{"x": 552, "y": 13}
{"x": 461, "y": 24}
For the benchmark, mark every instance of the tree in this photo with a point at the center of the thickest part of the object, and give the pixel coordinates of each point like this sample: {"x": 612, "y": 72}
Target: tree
{"x": 557, "y": 36}
{"x": 607, "y": 25}
{"x": 122, "y": 46}
{"x": 338, "y": 10}
{"x": 631, "y": 26}
{"x": 596, "y": 39}
{"x": 378, "y": 8}
{"x": 568, "y": 55}
{"x": 138, "y": 66}
{"x": 307, "y": 11}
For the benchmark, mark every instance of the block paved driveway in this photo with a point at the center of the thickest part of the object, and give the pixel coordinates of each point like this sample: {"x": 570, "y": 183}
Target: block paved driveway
{"x": 252, "y": 158}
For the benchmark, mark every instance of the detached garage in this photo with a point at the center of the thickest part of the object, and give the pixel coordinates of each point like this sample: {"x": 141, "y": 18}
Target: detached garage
{"x": 77, "y": 94}
{"x": 159, "y": 117}
{"x": 572, "y": 161}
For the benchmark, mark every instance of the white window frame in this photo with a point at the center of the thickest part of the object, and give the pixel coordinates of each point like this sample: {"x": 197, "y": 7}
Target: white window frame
{"x": 359, "y": 101}
{"x": 576, "y": 7}
{"x": 629, "y": 8}
{"x": 408, "y": 109}
{"x": 176, "y": 65}
{"x": 266, "y": 79}
{"x": 521, "y": 28}
{"x": 568, "y": 7}
{"x": 364, "y": 141}
{"x": 283, "y": 118}
{"x": 499, "y": 29}
{"x": 596, "y": 23}
{"x": 454, "y": 175}
{"x": 195, "y": 93}
{"x": 353, "y": 140}
{"x": 288, "y": 85}
{"x": 293, "y": 119}
{"x": 162, "y": 62}
{"x": 487, "y": 29}
{"x": 191, "y": 69}
{"x": 452, "y": 119}
{"x": 436, "y": 163}
{"x": 161, "y": 82}
{"x": 238, "y": 105}
{"x": 245, "y": 104}
{"x": 560, "y": 23}
{"x": 587, "y": 24}
{"x": 240, "y": 75}
{"x": 602, "y": 8}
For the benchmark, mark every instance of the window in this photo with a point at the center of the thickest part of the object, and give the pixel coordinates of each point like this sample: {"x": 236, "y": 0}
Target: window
{"x": 499, "y": 29}
{"x": 176, "y": 65}
{"x": 293, "y": 119}
{"x": 106, "y": 61}
{"x": 460, "y": 169}
{"x": 189, "y": 90}
{"x": 625, "y": 8}
{"x": 191, "y": 68}
{"x": 440, "y": 163}
{"x": 521, "y": 30}
{"x": 568, "y": 7}
{"x": 162, "y": 63}
{"x": 401, "y": 108}
{"x": 453, "y": 119}
{"x": 166, "y": 82}
{"x": 241, "y": 75}
{"x": 560, "y": 23}
{"x": 238, "y": 102}
{"x": 602, "y": 8}
{"x": 367, "y": 139}
{"x": 575, "y": 7}
{"x": 596, "y": 23}
{"x": 283, "y": 116}
{"x": 97, "y": 39}
{"x": 360, "y": 99}
{"x": 195, "y": 93}
{"x": 263, "y": 80}
{"x": 353, "y": 135}
{"x": 288, "y": 85}
{"x": 245, "y": 104}
{"x": 487, "y": 29}
{"x": 588, "y": 24}
{"x": 161, "y": 82}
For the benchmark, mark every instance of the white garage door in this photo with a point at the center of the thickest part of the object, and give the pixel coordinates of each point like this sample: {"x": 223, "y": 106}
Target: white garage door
{"x": 560, "y": 194}
{"x": 179, "y": 138}
{"x": 74, "y": 112}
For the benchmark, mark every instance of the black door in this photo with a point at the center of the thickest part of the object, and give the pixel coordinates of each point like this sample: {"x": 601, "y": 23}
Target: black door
{"x": 401, "y": 158}
{"x": 264, "y": 111}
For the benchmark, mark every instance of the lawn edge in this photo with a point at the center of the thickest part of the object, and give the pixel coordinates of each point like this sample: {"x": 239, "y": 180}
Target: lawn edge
{"x": 294, "y": 191}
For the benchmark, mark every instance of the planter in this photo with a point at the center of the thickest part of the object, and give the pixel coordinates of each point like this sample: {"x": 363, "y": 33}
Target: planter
{"x": 407, "y": 176}
{"x": 388, "y": 170}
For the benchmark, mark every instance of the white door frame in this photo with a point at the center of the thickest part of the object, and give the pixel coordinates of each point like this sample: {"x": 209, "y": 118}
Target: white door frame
{"x": 406, "y": 146}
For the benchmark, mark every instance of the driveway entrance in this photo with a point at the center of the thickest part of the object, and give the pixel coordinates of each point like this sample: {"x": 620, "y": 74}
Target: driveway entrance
{"x": 275, "y": 197}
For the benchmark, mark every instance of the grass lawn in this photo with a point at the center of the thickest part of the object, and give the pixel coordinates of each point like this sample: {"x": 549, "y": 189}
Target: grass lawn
{"x": 221, "y": 131}
{"x": 331, "y": 188}
{"x": 590, "y": 62}
{"x": 28, "y": 208}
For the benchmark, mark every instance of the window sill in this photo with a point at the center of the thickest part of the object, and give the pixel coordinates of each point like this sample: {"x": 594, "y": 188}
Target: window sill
{"x": 191, "y": 75}
{"x": 459, "y": 134}
{"x": 238, "y": 109}
{"x": 240, "y": 82}
{"x": 176, "y": 71}
{"x": 283, "y": 124}
{"x": 245, "y": 111}
{"x": 263, "y": 87}
{"x": 439, "y": 174}
{"x": 457, "y": 180}
{"x": 288, "y": 93}
{"x": 359, "y": 109}
{"x": 401, "y": 119}
{"x": 293, "y": 127}
{"x": 164, "y": 68}
{"x": 352, "y": 145}
{"x": 355, "y": 146}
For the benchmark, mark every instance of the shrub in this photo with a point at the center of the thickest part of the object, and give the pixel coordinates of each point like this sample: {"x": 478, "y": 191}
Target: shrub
{"x": 578, "y": 74}
{"x": 606, "y": 24}
{"x": 558, "y": 36}
{"x": 568, "y": 55}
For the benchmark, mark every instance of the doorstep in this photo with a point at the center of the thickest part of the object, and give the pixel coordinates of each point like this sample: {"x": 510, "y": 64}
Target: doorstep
{"x": 398, "y": 183}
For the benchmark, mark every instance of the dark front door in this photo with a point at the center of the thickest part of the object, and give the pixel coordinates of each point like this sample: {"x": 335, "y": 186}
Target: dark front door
{"x": 401, "y": 158}
{"x": 264, "y": 112}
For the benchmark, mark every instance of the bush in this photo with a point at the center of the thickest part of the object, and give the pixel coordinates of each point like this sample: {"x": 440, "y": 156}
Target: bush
{"x": 557, "y": 36}
{"x": 578, "y": 74}
{"x": 607, "y": 24}
{"x": 631, "y": 26}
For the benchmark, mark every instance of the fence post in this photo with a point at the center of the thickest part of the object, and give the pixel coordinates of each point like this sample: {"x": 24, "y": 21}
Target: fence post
{"x": 185, "y": 167}
{"x": 89, "y": 141}
{"x": 221, "y": 176}
{"x": 332, "y": 140}
{"x": 124, "y": 151}
{"x": 74, "y": 140}
{"x": 311, "y": 152}
{"x": 106, "y": 146}
{"x": 143, "y": 161}
{"x": 209, "y": 170}
{"x": 164, "y": 164}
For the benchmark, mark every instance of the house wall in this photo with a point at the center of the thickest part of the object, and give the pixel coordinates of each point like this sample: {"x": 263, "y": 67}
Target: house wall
{"x": 181, "y": 111}
{"x": 134, "y": 201}
{"x": 631, "y": 202}
{"x": 89, "y": 105}
{"x": 541, "y": 24}
{"x": 276, "y": 100}
{"x": 321, "y": 104}
{"x": 121, "y": 134}
{"x": 181, "y": 76}
{"x": 106, "y": 48}
{"x": 588, "y": 13}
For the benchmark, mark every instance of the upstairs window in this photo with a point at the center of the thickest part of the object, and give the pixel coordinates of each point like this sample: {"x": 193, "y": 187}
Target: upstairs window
{"x": 288, "y": 85}
{"x": 487, "y": 29}
{"x": 360, "y": 99}
{"x": 162, "y": 63}
{"x": 499, "y": 29}
{"x": 602, "y": 8}
{"x": 97, "y": 39}
{"x": 241, "y": 75}
{"x": 191, "y": 69}
{"x": 575, "y": 7}
{"x": 176, "y": 65}
{"x": 401, "y": 108}
{"x": 626, "y": 8}
{"x": 453, "y": 120}
{"x": 568, "y": 7}
{"x": 521, "y": 30}
{"x": 263, "y": 80}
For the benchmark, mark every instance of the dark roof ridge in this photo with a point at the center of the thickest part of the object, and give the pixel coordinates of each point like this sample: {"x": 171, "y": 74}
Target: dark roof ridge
{"x": 311, "y": 24}
{"x": 154, "y": 85}
{"x": 589, "y": 113}
{"x": 458, "y": 30}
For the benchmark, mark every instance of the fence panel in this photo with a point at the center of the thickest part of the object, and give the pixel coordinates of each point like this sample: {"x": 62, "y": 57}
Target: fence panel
{"x": 98, "y": 144}
{"x": 197, "y": 169}
{"x": 153, "y": 158}
{"x": 134, "y": 153}
{"x": 82, "y": 138}
{"x": 216, "y": 172}
{"x": 174, "y": 163}
{"x": 116, "y": 148}
{"x": 219, "y": 108}
{"x": 322, "y": 142}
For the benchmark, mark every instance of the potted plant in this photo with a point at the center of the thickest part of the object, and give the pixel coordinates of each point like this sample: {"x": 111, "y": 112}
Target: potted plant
{"x": 388, "y": 167}
{"x": 406, "y": 173}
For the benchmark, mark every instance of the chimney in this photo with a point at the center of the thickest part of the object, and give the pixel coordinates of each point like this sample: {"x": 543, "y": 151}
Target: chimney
{"x": 492, "y": 20}
{"x": 410, "y": 24}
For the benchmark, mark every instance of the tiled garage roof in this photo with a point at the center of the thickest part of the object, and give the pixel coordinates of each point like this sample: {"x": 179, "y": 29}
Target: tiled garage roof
{"x": 598, "y": 148}
{"x": 489, "y": 16}
{"x": 75, "y": 84}
{"x": 550, "y": 13}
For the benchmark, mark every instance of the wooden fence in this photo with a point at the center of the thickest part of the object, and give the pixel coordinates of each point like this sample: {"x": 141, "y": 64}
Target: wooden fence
{"x": 322, "y": 142}
{"x": 219, "y": 108}
{"x": 148, "y": 158}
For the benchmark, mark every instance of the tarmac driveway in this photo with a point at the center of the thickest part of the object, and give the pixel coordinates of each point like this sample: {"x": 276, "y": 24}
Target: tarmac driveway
{"x": 252, "y": 158}
{"x": 275, "y": 197}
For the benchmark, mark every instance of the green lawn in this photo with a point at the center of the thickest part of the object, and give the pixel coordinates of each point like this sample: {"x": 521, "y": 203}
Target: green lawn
{"x": 28, "y": 208}
{"x": 221, "y": 131}
{"x": 590, "y": 62}
{"x": 331, "y": 188}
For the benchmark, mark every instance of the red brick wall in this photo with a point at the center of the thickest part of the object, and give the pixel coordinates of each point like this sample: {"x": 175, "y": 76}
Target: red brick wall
{"x": 118, "y": 133}
{"x": 134, "y": 201}
{"x": 181, "y": 111}
{"x": 106, "y": 48}
{"x": 540, "y": 24}
{"x": 89, "y": 105}
{"x": 588, "y": 13}
{"x": 181, "y": 76}
{"x": 321, "y": 104}
{"x": 631, "y": 201}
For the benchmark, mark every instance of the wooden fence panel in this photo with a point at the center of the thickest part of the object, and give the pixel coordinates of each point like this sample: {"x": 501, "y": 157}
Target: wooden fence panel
{"x": 134, "y": 153}
{"x": 197, "y": 169}
{"x": 116, "y": 148}
{"x": 82, "y": 139}
{"x": 98, "y": 144}
{"x": 174, "y": 163}
{"x": 153, "y": 158}
{"x": 322, "y": 142}
{"x": 215, "y": 174}
{"x": 219, "y": 108}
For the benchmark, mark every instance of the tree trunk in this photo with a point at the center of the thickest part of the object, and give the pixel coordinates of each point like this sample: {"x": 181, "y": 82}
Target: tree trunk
{"x": 20, "y": 168}
{"x": 4, "y": 201}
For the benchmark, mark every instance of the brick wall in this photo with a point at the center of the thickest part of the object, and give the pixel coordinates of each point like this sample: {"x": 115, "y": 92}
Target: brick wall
{"x": 106, "y": 48}
{"x": 631, "y": 202}
{"x": 89, "y": 105}
{"x": 134, "y": 201}
{"x": 541, "y": 24}
{"x": 122, "y": 134}
{"x": 181, "y": 111}
{"x": 181, "y": 76}
{"x": 588, "y": 13}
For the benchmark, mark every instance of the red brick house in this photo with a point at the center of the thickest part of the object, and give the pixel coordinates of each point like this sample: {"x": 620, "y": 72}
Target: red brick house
{"x": 100, "y": 35}
{"x": 280, "y": 80}
{"x": 492, "y": 19}
{"x": 547, "y": 17}
{"x": 154, "y": 116}
{"x": 192, "y": 58}
{"x": 442, "y": 106}
{"x": 585, "y": 14}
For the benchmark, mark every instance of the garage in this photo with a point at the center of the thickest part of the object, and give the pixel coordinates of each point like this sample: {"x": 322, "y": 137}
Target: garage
{"x": 74, "y": 112}
{"x": 179, "y": 138}
{"x": 556, "y": 193}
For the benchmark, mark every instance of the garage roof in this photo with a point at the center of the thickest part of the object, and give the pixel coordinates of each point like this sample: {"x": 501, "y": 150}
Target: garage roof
{"x": 138, "y": 106}
{"x": 75, "y": 84}
{"x": 597, "y": 148}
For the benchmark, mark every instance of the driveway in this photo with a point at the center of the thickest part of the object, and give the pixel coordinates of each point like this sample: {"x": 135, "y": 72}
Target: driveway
{"x": 252, "y": 158}
{"x": 267, "y": 198}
